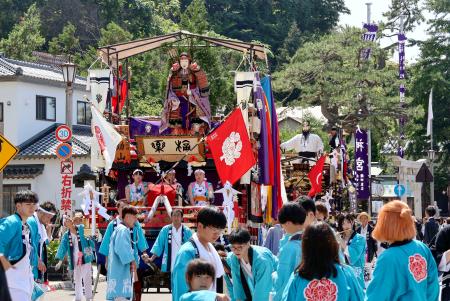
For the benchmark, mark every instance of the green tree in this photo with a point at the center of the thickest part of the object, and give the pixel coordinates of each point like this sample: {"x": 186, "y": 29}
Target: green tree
{"x": 66, "y": 42}
{"x": 329, "y": 72}
{"x": 10, "y": 13}
{"x": 195, "y": 17}
{"x": 25, "y": 36}
{"x": 431, "y": 72}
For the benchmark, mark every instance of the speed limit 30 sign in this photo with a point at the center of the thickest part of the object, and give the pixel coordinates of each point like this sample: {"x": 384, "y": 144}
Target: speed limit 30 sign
{"x": 63, "y": 133}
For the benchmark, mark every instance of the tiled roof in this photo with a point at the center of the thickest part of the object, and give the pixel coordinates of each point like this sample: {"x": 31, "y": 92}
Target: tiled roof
{"x": 23, "y": 171}
{"x": 44, "y": 143}
{"x": 10, "y": 67}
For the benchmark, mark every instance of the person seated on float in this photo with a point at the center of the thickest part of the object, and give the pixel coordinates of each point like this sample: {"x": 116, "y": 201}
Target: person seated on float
{"x": 136, "y": 191}
{"x": 200, "y": 192}
{"x": 170, "y": 179}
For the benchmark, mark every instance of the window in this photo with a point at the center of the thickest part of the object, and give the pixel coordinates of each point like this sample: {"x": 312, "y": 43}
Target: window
{"x": 83, "y": 113}
{"x": 1, "y": 111}
{"x": 9, "y": 191}
{"x": 45, "y": 108}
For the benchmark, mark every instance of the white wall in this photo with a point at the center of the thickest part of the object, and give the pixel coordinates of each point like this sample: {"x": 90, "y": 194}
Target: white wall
{"x": 20, "y": 116}
{"x": 48, "y": 184}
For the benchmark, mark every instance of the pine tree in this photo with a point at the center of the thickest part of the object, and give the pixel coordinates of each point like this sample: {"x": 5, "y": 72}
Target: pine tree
{"x": 66, "y": 42}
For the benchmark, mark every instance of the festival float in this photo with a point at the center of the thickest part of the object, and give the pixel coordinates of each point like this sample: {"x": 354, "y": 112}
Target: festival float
{"x": 187, "y": 157}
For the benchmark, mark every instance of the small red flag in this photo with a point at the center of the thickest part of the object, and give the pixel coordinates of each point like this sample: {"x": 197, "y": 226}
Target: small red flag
{"x": 231, "y": 148}
{"x": 315, "y": 177}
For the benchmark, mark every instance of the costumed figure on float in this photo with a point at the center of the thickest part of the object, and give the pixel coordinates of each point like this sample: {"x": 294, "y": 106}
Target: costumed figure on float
{"x": 136, "y": 191}
{"x": 187, "y": 101}
{"x": 306, "y": 144}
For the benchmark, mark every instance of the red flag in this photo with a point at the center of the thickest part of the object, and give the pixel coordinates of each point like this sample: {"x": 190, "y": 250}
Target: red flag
{"x": 231, "y": 149}
{"x": 315, "y": 177}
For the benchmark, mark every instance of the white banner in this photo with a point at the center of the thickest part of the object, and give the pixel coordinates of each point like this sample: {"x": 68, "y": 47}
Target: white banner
{"x": 106, "y": 137}
{"x": 98, "y": 82}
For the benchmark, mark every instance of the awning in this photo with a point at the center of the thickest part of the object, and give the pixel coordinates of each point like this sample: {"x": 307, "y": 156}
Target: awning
{"x": 23, "y": 171}
{"x": 125, "y": 50}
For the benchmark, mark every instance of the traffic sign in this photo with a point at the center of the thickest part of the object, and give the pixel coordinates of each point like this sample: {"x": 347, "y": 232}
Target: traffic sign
{"x": 64, "y": 151}
{"x": 63, "y": 133}
{"x": 399, "y": 190}
{"x": 7, "y": 152}
{"x": 66, "y": 167}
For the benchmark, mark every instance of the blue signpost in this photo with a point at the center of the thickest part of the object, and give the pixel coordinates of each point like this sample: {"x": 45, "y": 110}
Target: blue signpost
{"x": 399, "y": 190}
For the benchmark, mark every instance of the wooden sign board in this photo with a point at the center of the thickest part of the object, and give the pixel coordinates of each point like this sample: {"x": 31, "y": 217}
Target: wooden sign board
{"x": 123, "y": 152}
{"x": 170, "y": 148}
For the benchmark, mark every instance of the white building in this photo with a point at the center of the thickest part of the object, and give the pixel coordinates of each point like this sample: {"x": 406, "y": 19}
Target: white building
{"x": 32, "y": 105}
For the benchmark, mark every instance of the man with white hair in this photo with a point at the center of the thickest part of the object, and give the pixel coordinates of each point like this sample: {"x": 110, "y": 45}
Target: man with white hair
{"x": 200, "y": 192}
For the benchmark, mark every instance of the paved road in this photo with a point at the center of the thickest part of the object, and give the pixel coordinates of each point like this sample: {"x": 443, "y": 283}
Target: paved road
{"x": 68, "y": 295}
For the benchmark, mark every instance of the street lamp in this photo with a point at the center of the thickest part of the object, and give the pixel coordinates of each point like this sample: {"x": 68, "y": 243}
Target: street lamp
{"x": 69, "y": 71}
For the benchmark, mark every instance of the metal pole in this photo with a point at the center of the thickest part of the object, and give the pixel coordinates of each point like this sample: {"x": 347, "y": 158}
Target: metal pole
{"x": 369, "y": 135}
{"x": 69, "y": 101}
{"x": 368, "y": 4}
{"x": 432, "y": 169}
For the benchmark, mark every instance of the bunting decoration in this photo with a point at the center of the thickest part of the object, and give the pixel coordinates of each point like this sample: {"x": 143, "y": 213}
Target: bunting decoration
{"x": 370, "y": 35}
{"x": 402, "y": 89}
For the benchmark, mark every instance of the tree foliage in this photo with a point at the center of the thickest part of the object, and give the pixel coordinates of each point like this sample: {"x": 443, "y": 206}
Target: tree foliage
{"x": 66, "y": 42}
{"x": 432, "y": 72}
{"x": 25, "y": 36}
{"x": 329, "y": 72}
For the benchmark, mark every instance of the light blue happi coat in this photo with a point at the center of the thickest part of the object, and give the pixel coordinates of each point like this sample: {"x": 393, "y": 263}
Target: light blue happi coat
{"x": 289, "y": 259}
{"x": 344, "y": 287}
{"x": 357, "y": 255}
{"x": 11, "y": 245}
{"x": 263, "y": 263}
{"x": 87, "y": 247}
{"x": 404, "y": 272}
{"x": 138, "y": 238}
{"x": 161, "y": 246}
{"x": 119, "y": 260}
{"x": 36, "y": 243}
{"x": 199, "y": 296}
{"x": 228, "y": 279}
{"x": 186, "y": 253}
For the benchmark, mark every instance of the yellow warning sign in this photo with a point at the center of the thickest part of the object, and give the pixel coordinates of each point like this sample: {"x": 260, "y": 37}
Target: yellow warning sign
{"x": 7, "y": 152}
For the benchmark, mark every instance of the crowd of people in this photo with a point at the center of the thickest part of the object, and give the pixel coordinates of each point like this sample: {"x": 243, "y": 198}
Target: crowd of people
{"x": 306, "y": 256}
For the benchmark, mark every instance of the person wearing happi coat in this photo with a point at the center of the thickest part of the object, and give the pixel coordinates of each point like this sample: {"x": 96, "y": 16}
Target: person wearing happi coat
{"x": 169, "y": 241}
{"x": 40, "y": 238}
{"x": 321, "y": 275}
{"x": 136, "y": 191}
{"x": 407, "y": 269}
{"x": 353, "y": 245}
{"x": 292, "y": 218}
{"x": 16, "y": 249}
{"x": 251, "y": 268}
{"x": 200, "y": 192}
{"x": 122, "y": 258}
{"x": 210, "y": 224}
{"x": 366, "y": 231}
{"x": 80, "y": 251}
{"x": 138, "y": 237}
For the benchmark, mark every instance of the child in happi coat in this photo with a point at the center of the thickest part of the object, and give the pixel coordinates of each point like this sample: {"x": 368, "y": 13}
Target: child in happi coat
{"x": 251, "y": 268}
{"x": 292, "y": 218}
{"x": 353, "y": 245}
{"x": 407, "y": 269}
{"x": 320, "y": 275}
{"x": 199, "y": 277}
{"x": 80, "y": 250}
